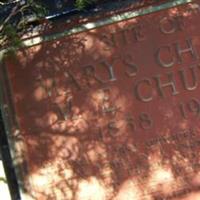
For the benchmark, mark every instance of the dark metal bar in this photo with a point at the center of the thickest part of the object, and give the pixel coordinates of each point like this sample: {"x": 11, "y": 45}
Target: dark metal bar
{"x": 7, "y": 163}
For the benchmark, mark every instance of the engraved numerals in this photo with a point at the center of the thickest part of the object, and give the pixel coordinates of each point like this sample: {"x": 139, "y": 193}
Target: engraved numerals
{"x": 145, "y": 121}
{"x": 190, "y": 107}
{"x": 134, "y": 122}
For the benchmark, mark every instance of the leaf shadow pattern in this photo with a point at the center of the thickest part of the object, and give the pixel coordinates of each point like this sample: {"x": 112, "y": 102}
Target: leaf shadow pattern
{"x": 79, "y": 127}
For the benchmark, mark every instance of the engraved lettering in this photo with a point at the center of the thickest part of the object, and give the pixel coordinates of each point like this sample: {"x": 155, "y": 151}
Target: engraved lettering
{"x": 89, "y": 71}
{"x": 112, "y": 128}
{"x": 123, "y": 34}
{"x": 185, "y": 81}
{"x": 100, "y": 135}
{"x": 189, "y": 49}
{"x": 171, "y": 84}
{"x": 107, "y": 106}
{"x": 138, "y": 32}
{"x": 180, "y": 22}
{"x": 167, "y": 25}
{"x": 138, "y": 91}
{"x": 171, "y": 25}
{"x": 163, "y": 62}
{"x": 64, "y": 110}
{"x": 109, "y": 40}
{"x": 62, "y": 113}
{"x": 110, "y": 70}
{"x": 68, "y": 106}
{"x": 133, "y": 69}
{"x": 43, "y": 85}
{"x": 73, "y": 79}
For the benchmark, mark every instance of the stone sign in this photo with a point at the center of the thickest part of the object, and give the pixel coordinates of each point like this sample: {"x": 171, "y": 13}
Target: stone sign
{"x": 109, "y": 113}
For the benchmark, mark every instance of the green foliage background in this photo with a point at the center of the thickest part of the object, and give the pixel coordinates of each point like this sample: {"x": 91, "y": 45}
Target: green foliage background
{"x": 11, "y": 30}
{"x": 81, "y": 4}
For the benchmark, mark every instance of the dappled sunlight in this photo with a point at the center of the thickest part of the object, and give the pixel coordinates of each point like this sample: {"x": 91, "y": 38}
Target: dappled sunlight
{"x": 184, "y": 124}
{"x": 51, "y": 181}
{"x": 50, "y": 119}
{"x": 192, "y": 196}
{"x": 91, "y": 49}
{"x": 167, "y": 112}
{"x": 129, "y": 191}
{"x": 91, "y": 189}
{"x": 39, "y": 93}
{"x": 196, "y": 179}
{"x": 162, "y": 180}
{"x": 92, "y": 131}
{"x": 28, "y": 53}
{"x": 69, "y": 148}
{"x": 96, "y": 151}
{"x": 192, "y": 9}
{"x": 100, "y": 186}
{"x": 174, "y": 12}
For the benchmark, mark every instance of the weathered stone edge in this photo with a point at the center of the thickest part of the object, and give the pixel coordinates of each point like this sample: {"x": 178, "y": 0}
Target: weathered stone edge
{"x": 103, "y": 22}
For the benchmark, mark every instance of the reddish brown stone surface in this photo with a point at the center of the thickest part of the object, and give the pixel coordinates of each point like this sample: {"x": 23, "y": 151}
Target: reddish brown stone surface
{"x": 113, "y": 113}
